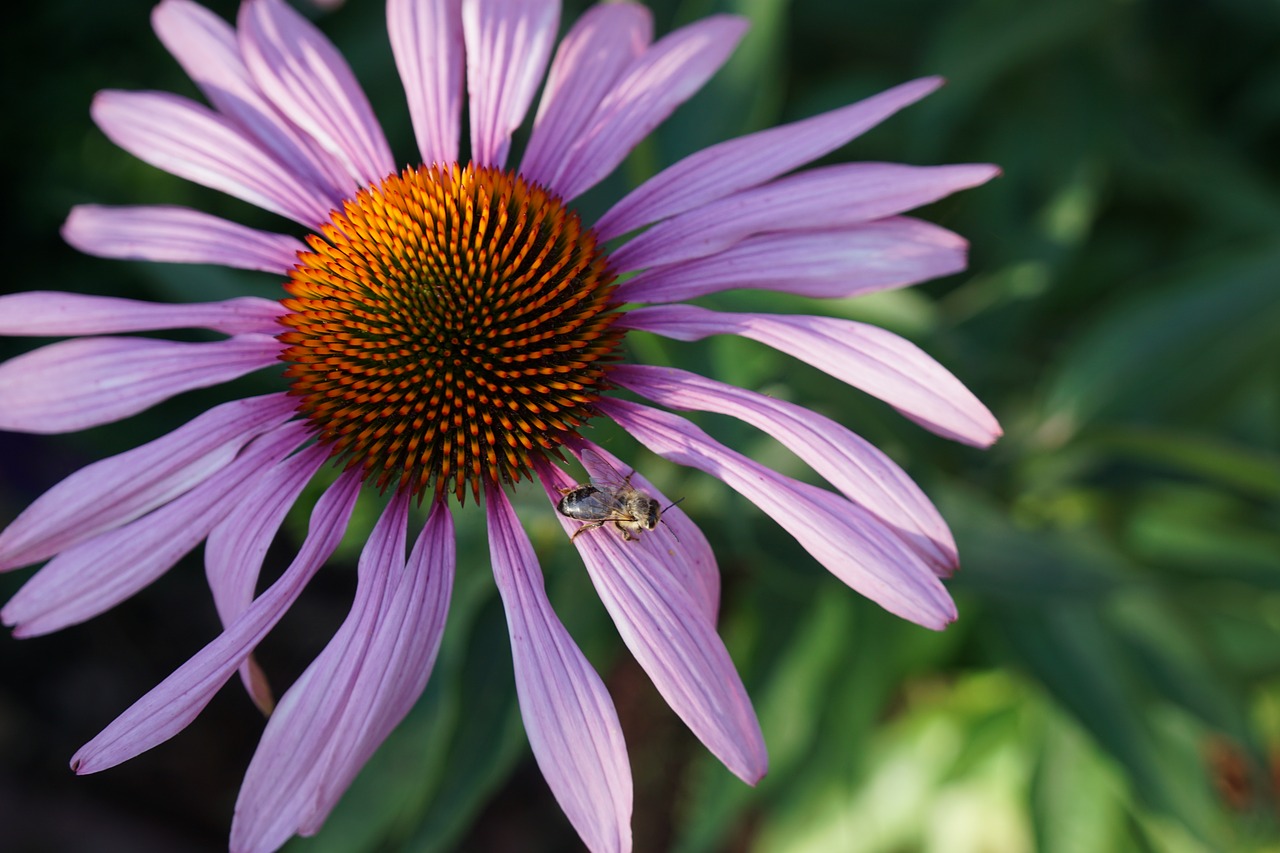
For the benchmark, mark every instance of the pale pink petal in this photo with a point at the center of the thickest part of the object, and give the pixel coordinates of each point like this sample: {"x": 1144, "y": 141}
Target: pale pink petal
{"x": 309, "y": 81}
{"x": 306, "y": 726}
{"x": 842, "y": 536}
{"x": 76, "y": 384}
{"x": 877, "y": 361}
{"x": 426, "y": 38}
{"x": 351, "y": 697}
{"x": 237, "y": 545}
{"x": 568, "y": 715}
{"x": 888, "y": 253}
{"x": 602, "y": 43}
{"x": 405, "y": 647}
{"x": 851, "y": 464}
{"x": 114, "y": 491}
{"x": 49, "y": 313}
{"x": 177, "y": 235}
{"x": 97, "y": 574}
{"x": 176, "y": 701}
{"x": 206, "y": 47}
{"x": 750, "y": 160}
{"x": 831, "y": 197}
{"x": 508, "y": 44}
{"x": 668, "y": 630}
{"x": 667, "y": 75}
{"x": 192, "y": 142}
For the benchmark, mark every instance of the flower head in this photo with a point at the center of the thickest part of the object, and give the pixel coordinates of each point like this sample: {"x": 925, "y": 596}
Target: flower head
{"x": 446, "y": 328}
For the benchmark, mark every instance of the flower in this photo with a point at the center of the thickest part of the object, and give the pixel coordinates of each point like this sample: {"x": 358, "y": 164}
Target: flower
{"x": 447, "y": 328}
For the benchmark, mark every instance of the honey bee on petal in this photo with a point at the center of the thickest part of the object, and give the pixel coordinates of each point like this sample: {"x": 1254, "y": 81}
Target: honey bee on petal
{"x": 609, "y": 499}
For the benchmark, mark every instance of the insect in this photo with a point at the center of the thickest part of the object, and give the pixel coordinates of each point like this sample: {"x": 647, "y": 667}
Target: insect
{"x": 610, "y": 499}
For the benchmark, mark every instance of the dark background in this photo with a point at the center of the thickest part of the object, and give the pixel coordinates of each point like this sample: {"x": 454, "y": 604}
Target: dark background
{"x": 1112, "y": 683}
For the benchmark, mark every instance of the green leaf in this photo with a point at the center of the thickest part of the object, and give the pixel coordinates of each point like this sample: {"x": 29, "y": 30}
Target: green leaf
{"x": 1180, "y": 350}
{"x": 1251, "y": 470}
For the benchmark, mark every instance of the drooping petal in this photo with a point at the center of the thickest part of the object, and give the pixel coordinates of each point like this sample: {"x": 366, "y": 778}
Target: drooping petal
{"x": 192, "y": 142}
{"x": 356, "y": 691}
{"x": 568, "y": 715}
{"x": 854, "y": 466}
{"x": 114, "y": 491}
{"x": 309, "y": 81}
{"x": 97, "y": 574}
{"x": 426, "y": 38}
{"x": 177, "y": 235}
{"x": 76, "y": 384}
{"x": 303, "y": 730}
{"x": 831, "y": 197}
{"x": 508, "y": 44}
{"x": 237, "y": 545}
{"x": 667, "y": 75}
{"x": 833, "y": 263}
{"x": 873, "y": 359}
{"x": 842, "y": 536}
{"x": 176, "y": 701}
{"x": 591, "y": 57}
{"x": 750, "y": 160}
{"x": 53, "y": 313}
{"x": 669, "y": 632}
{"x": 206, "y": 47}
{"x": 407, "y": 641}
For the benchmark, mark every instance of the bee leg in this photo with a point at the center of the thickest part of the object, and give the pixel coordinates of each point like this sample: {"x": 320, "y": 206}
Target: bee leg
{"x": 626, "y": 534}
{"x": 584, "y": 528}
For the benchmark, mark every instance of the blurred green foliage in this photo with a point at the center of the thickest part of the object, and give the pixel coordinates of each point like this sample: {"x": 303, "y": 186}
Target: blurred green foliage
{"x": 1113, "y": 683}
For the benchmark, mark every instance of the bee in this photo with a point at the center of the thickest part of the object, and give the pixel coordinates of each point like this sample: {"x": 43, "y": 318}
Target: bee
{"x": 610, "y": 499}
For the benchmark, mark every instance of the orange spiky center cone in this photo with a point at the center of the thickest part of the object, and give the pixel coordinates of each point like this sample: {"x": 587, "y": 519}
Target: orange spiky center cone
{"x": 447, "y": 324}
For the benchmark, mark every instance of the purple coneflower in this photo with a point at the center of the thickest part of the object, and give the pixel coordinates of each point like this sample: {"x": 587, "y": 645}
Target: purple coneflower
{"x": 447, "y": 328}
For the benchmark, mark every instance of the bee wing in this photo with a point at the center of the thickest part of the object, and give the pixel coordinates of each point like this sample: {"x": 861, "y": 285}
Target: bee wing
{"x": 604, "y": 475}
{"x": 602, "y": 506}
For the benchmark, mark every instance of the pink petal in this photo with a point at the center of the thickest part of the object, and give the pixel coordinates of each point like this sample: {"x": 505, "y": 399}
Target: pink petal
{"x": 568, "y": 715}
{"x": 842, "y": 536}
{"x": 177, "y": 235}
{"x": 114, "y": 491}
{"x": 832, "y": 197}
{"x": 508, "y": 43}
{"x": 877, "y": 361}
{"x": 603, "y": 42}
{"x": 669, "y": 631}
{"x": 237, "y": 545}
{"x": 356, "y": 691}
{"x": 406, "y": 643}
{"x": 750, "y": 160}
{"x": 176, "y": 701}
{"x": 852, "y": 261}
{"x": 855, "y": 467}
{"x": 206, "y": 47}
{"x": 192, "y": 142}
{"x": 76, "y": 384}
{"x": 667, "y": 75}
{"x": 307, "y": 79}
{"x": 52, "y": 313}
{"x": 97, "y": 574}
{"x": 305, "y": 727}
{"x": 426, "y": 38}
